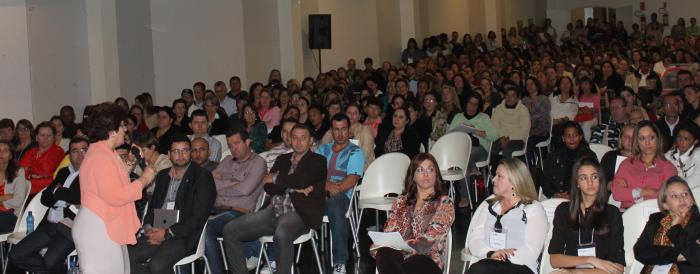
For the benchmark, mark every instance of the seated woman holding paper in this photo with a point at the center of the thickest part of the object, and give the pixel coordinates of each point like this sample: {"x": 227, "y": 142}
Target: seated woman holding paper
{"x": 509, "y": 230}
{"x": 423, "y": 216}
{"x": 639, "y": 177}
{"x": 668, "y": 243}
{"x": 587, "y": 234}
{"x": 482, "y": 133}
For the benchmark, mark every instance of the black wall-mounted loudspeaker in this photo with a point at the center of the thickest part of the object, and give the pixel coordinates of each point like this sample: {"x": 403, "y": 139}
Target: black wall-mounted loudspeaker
{"x": 319, "y": 31}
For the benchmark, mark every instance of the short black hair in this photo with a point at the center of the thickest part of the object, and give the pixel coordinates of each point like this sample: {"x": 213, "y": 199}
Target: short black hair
{"x": 76, "y": 140}
{"x": 199, "y": 84}
{"x": 168, "y": 111}
{"x": 238, "y": 130}
{"x": 104, "y": 118}
{"x": 199, "y": 112}
{"x": 180, "y": 138}
{"x": 304, "y": 127}
{"x": 7, "y": 123}
{"x": 341, "y": 117}
{"x": 288, "y": 121}
{"x": 219, "y": 83}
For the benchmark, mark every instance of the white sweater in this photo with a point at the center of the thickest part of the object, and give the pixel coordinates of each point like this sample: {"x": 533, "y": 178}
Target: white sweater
{"x": 527, "y": 238}
{"x": 512, "y": 122}
{"x": 690, "y": 171}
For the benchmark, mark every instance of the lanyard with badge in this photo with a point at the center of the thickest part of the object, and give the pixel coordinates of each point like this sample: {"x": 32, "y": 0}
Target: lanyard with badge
{"x": 497, "y": 236}
{"x": 586, "y": 248}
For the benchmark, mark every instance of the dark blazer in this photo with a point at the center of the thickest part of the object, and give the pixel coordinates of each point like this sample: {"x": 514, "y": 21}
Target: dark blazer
{"x": 669, "y": 139}
{"x": 684, "y": 242}
{"x": 195, "y": 199}
{"x": 311, "y": 170}
{"x": 218, "y": 127}
{"x": 409, "y": 140}
{"x": 166, "y": 139}
{"x": 70, "y": 195}
{"x": 557, "y": 169}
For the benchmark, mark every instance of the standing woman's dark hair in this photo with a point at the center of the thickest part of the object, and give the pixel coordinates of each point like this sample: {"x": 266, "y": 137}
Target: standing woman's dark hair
{"x": 596, "y": 216}
{"x": 411, "y": 190}
{"x": 110, "y": 118}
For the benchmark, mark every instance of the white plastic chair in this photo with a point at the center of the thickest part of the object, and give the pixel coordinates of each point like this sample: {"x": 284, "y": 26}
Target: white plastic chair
{"x": 385, "y": 175}
{"x": 599, "y": 150}
{"x": 310, "y": 236}
{"x": 225, "y": 151}
{"x": 451, "y": 152}
{"x": 550, "y": 207}
{"x": 485, "y": 168}
{"x": 198, "y": 254}
{"x": 38, "y": 211}
{"x": 544, "y": 144}
{"x": 634, "y": 219}
{"x": 18, "y": 223}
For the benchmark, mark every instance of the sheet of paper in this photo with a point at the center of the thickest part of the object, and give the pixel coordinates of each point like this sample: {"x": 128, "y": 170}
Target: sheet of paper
{"x": 585, "y": 104}
{"x": 464, "y": 128}
{"x": 390, "y": 239}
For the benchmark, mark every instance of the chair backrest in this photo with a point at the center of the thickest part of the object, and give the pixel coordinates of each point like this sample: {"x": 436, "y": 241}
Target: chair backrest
{"x": 599, "y": 150}
{"x": 385, "y": 175}
{"x": 452, "y": 150}
{"x": 224, "y": 145}
{"x": 488, "y": 151}
{"x": 696, "y": 192}
{"x": 634, "y": 219}
{"x": 448, "y": 254}
{"x": 18, "y": 223}
{"x": 38, "y": 211}
{"x": 550, "y": 205}
{"x": 355, "y": 142}
{"x": 200, "y": 245}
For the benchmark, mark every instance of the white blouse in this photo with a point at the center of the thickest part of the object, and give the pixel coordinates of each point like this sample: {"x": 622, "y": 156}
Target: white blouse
{"x": 687, "y": 165}
{"x": 526, "y": 229}
{"x": 569, "y": 108}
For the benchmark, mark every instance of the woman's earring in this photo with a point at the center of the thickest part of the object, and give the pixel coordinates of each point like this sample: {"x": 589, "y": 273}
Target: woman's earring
{"x": 114, "y": 134}
{"x": 513, "y": 189}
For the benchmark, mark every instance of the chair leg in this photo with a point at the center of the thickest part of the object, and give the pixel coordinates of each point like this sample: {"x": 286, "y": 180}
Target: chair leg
{"x": 330, "y": 248}
{"x": 207, "y": 269}
{"x": 318, "y": 259}
{"x": 4, "y": 265}
{"x": 260, "y": 257}
{"x": 322, "y": 242}
{"x": 464, "y": 268}
{"x": 223, "y": 254}
{"x": 299, "y": 252}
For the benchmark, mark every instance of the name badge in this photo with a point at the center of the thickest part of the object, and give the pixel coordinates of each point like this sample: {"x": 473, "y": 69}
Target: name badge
{"x": 170, "y": 205}
{"x": 497, "y": 240}
{"x": 410, "y": 60}
{"x": 661, "y": 269}
{"x": 586, "y": 251}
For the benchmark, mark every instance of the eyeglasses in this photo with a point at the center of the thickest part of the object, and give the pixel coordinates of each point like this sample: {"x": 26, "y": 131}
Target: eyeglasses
{"x": 78, "y": 150}
{"x": 421, "y": 170}
{"x": 678, "y": 196}
{"x": 180, "y": 151}
{"x": 592, "y": 178}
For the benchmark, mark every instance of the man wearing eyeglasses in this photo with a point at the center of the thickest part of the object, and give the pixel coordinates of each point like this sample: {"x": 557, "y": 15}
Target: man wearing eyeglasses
{"x": 187, "y": 188}
{"x": 62, "y": 197}
{"x": 346, "y": 164}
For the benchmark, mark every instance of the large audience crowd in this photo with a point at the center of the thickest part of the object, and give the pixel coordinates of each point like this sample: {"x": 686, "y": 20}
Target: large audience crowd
{"x": 303, "y": 147}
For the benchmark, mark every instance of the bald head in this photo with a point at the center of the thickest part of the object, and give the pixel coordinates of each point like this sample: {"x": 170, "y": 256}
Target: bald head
{"x": 200, "y": 151}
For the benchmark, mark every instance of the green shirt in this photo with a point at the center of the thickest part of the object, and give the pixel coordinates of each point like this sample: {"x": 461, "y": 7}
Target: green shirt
{"x": 482, "y": 122}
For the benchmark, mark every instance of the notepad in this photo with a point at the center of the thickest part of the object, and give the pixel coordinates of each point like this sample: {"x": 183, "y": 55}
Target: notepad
{"x": 391, "y": 240}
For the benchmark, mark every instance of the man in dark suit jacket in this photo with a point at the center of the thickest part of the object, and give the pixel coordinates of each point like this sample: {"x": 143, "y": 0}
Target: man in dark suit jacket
{"x": 54, "y": 233}
{"x": 186, "y": 187}
{"x": 670, "y": 120}
{"x": 298, "y": 203}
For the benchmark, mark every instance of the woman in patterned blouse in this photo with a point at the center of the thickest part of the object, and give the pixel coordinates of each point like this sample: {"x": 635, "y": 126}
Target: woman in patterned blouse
{"x": 423, "y": 216}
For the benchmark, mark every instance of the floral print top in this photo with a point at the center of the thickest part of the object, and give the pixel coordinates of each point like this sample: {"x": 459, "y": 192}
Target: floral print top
{"x": 432, "y": 221}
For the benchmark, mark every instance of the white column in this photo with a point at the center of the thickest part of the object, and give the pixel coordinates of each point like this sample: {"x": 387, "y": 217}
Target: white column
{"x": 15, "y": 81}
{"x": 287, "y": 49}
{"x": 408, "y": 23}
{"x": 103, "y": 54}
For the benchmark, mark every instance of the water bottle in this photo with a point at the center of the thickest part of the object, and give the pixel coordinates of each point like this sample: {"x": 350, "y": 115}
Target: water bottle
{"x": 30, "y": 223}
{"x": 73, "y": 267}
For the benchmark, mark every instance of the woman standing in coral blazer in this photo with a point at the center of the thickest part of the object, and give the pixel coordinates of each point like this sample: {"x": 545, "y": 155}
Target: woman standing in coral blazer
{"x": 107, "y": 220}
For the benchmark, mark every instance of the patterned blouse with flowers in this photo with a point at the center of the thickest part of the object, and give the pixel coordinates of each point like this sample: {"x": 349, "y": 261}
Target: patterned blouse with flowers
{"x": 432, "y": 222}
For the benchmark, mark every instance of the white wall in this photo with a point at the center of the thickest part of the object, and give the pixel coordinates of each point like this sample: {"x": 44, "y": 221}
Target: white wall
{"x": 559, "y": 10}
{"x": 135, "y": 47}
{"x": 389, "y": 30}
{"x": 15, "y": 85}
{"x": 58, "y": 52}
{"x": 195, "y": 41}
{"x": 262, "y": 43}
